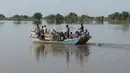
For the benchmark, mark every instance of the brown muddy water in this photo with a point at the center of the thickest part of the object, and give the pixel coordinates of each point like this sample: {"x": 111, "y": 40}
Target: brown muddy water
{"x": 18, "y": 54}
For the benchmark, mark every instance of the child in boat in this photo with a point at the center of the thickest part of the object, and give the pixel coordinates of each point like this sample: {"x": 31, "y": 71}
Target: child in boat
{"x": 62, "y": 36}
{"x": 71, "y": 35}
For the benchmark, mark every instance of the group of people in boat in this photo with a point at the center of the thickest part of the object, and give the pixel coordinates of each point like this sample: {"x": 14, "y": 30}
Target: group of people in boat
{"x": 59, "y": 36}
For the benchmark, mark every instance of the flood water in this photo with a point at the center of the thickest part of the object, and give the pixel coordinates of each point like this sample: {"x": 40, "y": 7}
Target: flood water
{"x": 18, "y": 54}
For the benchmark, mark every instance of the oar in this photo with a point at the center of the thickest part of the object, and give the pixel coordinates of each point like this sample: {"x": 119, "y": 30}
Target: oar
{"x": 98, "y": 44}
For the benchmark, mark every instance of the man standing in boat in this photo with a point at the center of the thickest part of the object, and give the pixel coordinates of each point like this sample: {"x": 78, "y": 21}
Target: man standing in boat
{"x": 45, "y": 29}
{"x": 67, "y": 31}
{"x": 42, "y": 33}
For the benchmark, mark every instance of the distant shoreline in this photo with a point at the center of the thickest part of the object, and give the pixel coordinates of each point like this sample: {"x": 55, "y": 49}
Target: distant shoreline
{"x": 24, "y": 19}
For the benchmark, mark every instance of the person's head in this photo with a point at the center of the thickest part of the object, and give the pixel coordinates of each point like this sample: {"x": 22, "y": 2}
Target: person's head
{"x": 81, "y": 24}
{"x": 86, "y": 30}
{"x": 37, "y": 25}
{"x": 53, "y": 29}
{"x": 67, "y": 25}
{"x": 70, "y": 32}
{"x": 61, "y": 32}
{"x": 76, "y": 32}
{"x": 44, "y": 25}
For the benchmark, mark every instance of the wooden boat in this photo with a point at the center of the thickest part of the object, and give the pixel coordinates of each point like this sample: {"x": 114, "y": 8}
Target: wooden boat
{"x": 74, "y": 41}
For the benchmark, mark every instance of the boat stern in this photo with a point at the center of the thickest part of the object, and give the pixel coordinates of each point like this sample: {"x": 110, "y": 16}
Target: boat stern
{"x": 83, "y": 40}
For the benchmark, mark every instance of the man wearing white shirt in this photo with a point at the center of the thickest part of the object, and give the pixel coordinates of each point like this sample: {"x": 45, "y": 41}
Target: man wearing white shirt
{"x": 45, "y": 29}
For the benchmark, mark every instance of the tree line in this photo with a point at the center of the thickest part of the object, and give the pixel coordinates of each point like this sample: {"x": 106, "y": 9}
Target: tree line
{"x": 71, "y": 18}
{"x": 58, "y": 18}
{"x": 120, "y": 16}
{"x": 36, "y": 16}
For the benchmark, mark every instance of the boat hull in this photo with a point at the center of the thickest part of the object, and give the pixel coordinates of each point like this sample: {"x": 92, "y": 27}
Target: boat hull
{"x": 75, "y": 41}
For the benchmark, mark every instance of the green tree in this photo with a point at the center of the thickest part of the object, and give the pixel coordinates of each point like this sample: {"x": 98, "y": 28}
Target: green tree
{"x": 50, "y": 18}
{"x": 115, "y": 15}
{"x": 125, "y": 15}
{"x": 25, "y": 16}
{"x": 119, "y": 17}
{"x": 100, "y": 18}
{"x": 2, "y": 16}
{"x": 37, "y": 16}
{"x": 59, "y": 18}
{"x": 16, "y": 17}
{"x": 111, "y": 17}
{"x": 71, "y": 18}
{"x": 67, "y": 19}
{"x": 84, "y": 19}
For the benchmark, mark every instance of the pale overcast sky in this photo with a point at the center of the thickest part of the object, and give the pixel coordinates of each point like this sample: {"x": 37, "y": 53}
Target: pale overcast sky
{"x": 90, "y": 7}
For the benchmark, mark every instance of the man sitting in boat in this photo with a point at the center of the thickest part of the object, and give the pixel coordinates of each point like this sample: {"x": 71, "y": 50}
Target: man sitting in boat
{"x": 81, "y": 28}
{"x": 86, "y": 32}
{"x": 62, "y": 36}
{"x": 77, "y": 34}
{"x": 56, "y": 36}
{"x": 51, "y": 33}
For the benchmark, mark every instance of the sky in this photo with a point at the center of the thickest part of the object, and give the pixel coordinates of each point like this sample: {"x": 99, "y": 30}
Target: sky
{"x": 46, "y": 7}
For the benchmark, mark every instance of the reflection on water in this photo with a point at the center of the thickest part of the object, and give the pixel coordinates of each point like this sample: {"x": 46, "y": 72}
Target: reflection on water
{"x": 25, "y": 22}
{"x": 17, "y": 22}
{"x": 1, "y": 22}
{"x": 125, "y": 27}
{"x": 1, "y": 26}
{"x": 37, "y": 22}
{"x": 99, "y": 22}
{"x": 67, "y": 51}
{"x": 118, "y": 22}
